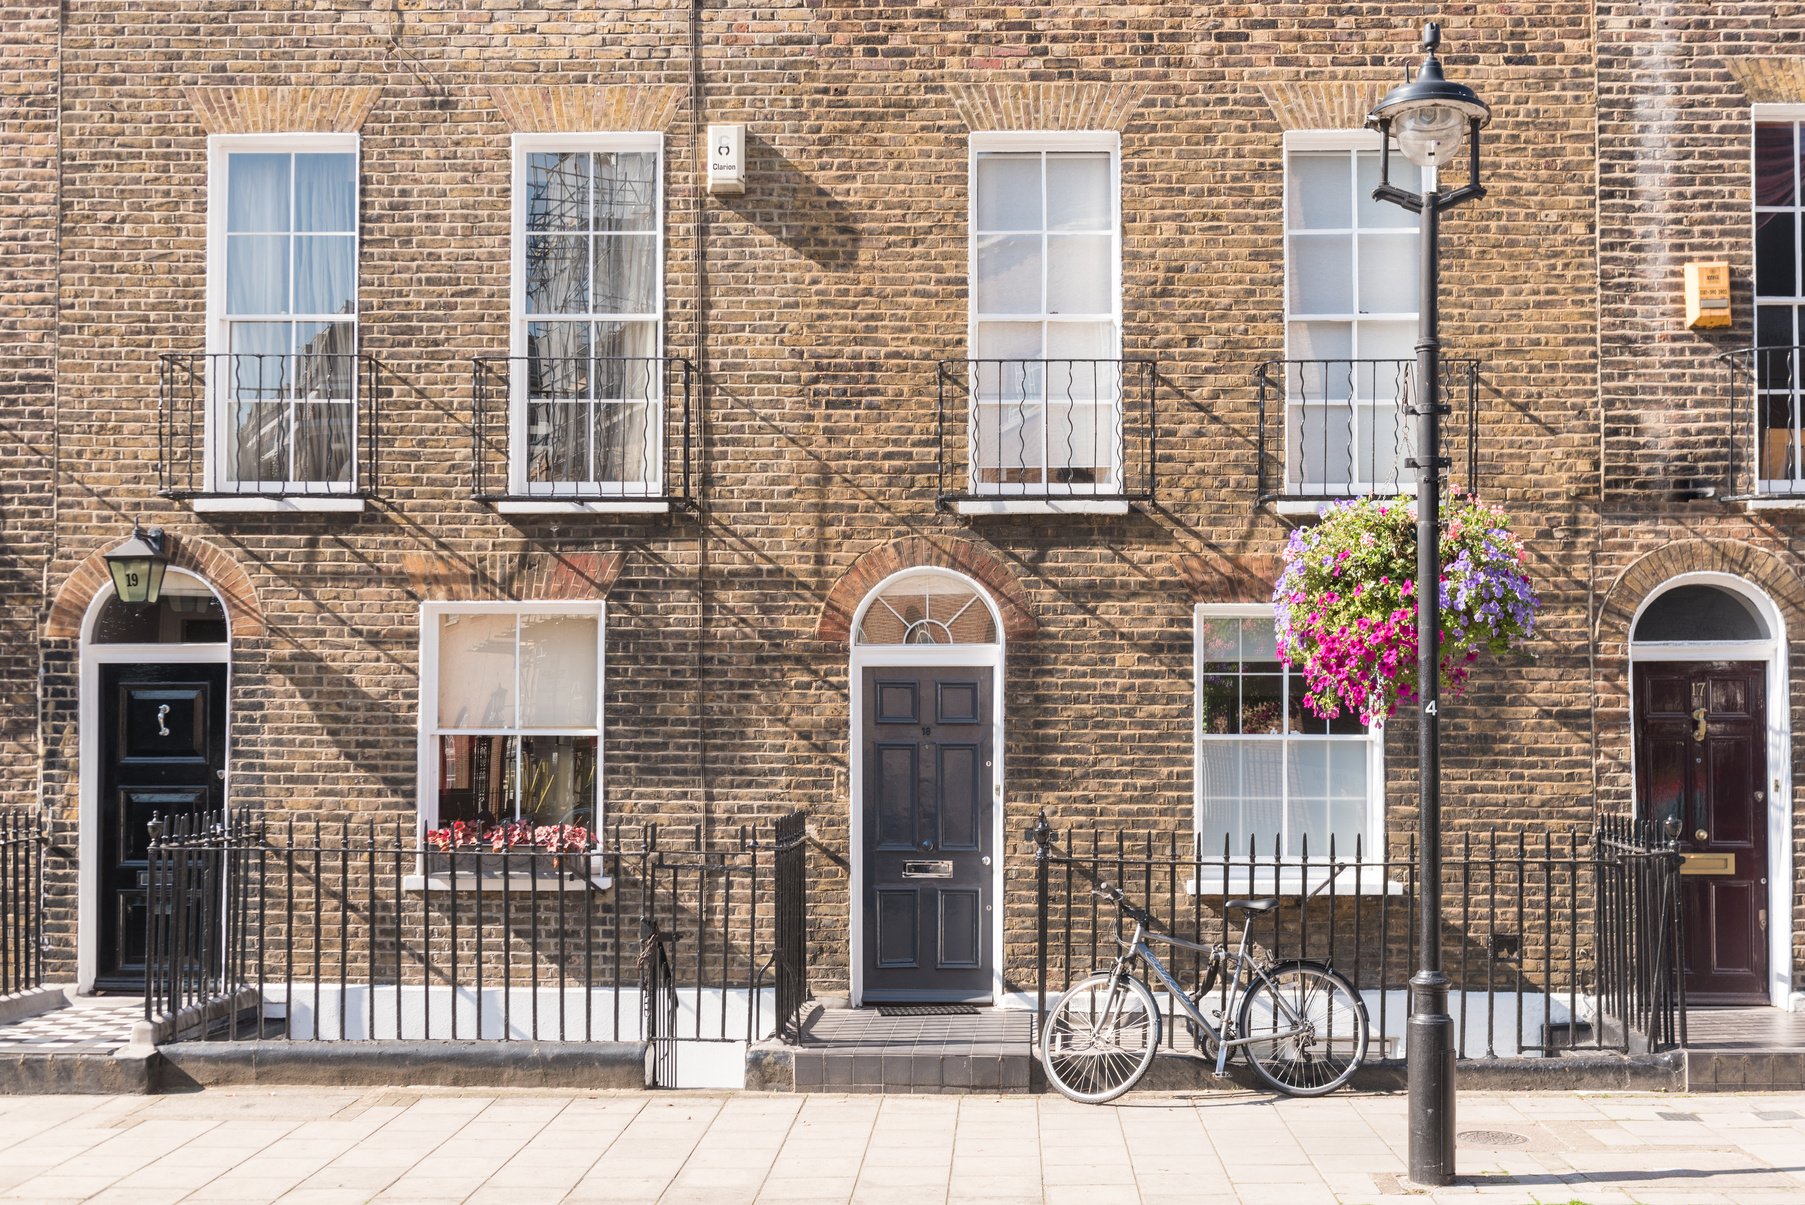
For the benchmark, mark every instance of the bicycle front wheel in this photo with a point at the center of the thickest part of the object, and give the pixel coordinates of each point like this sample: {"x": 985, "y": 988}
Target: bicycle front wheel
{"x": 1100, "y": 1037}
{"x": 1308, "y": 1028}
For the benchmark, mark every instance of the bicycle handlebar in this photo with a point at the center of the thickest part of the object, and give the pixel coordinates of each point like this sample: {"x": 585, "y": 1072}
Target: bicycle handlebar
{"x": 1119, "y": 898}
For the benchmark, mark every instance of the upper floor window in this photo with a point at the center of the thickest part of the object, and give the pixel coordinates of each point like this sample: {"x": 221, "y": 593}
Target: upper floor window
{"x": 1270, "y": 772}
{"x": 511, "y": 707}
{"x": 282, "y": 331}
{"x": 1350, "y": 316}
{"x": 587, "y": 411}
{"x": 1046, "y": 314}
{"x": 1779, "y": 299}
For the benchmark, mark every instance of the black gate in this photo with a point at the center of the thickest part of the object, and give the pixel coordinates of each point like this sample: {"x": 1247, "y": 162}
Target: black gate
{"x": 658, "y": 1002}
{"x": 1641, "y": 979}
{"x": 792, "y": 923}
{"x": 22, "y": 840}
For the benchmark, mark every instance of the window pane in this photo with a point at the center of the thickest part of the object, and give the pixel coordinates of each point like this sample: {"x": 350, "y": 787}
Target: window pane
{"x": 1082, "y": 341}
{"x": 1080, "y": 274}
{"x": 260, "y": 358}
{"x": 476, "y": 779}
{"x": 1319, "y": 445}
{"x": 558, "y": 363}
{"x": 1321, "y": 341}
{"x": 558, "y": 671}
{"x": 1388, "y": 341}
{"x": 558, "y": 441}
{"x": 1006, "y": 341}
{"x": 1262, "y": 705}
{"x": 626, "y": 442}
{"x": 324, "y": 366}
{"x": 1388, "y": 274}
{"x": 1259, "y": 642}
{"x": 626, "y": 190}
{"x": 326, "y": 193}
{"x": 1009, "y": 192}
{"x": 1405, "y": 174}
{"x": 323, "y": 441}
{"x": 1009, "y": 274}
{"x": 476, "y": 671}
{"x": 557, "y": 190}
{"x": 1776, "y": 162}
{"x": 256, "y": 274}
{"x": 626, "y": 280}
{"x": 558, "y": 775}
{"x": 257, "y": 188}
{"x": 1321, "y": 269}
{"x": 1316, "y": 191}
{"x": 257, "y": 442}
{"x": 1078, "y": 192}
{"x": 1219, "y": 704}
{"x": 1221, "y": 641}
{"x": 325, "y": 274}
{"x": 557, "y": 274}
{"x": 1241, "y": 784}
{"x": 1011, "y": 440}
{"x": 1776, "y": 255}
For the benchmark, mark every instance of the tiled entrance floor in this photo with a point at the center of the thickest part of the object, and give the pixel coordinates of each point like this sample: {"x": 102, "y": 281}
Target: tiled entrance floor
{"x": 90, "y": 1025}
{"x": 856, "y": 1050}
{"x": 1744, "y": 1029}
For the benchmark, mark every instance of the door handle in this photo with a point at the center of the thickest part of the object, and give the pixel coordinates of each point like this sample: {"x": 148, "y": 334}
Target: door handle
{"x": 1698, "y": 720}
{"x": 1701, "y": 835}
{"x": 162, "y": 714}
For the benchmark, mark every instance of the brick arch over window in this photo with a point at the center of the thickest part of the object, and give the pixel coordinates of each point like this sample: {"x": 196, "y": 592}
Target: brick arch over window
{"x": 960, "y": 556}
{"x": 1760, "y": 568}
{"x": 200, "y": 558}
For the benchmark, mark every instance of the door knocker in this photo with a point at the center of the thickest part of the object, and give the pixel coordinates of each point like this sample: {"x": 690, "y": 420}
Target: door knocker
{"x": 162, "y": 714}
{"x": 1698, "y": 718}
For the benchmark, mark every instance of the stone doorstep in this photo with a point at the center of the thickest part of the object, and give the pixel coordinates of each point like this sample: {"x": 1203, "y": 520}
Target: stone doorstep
{"x": 32, "y": 1002}
{"x": 131, "y": 1072}
{"x": 1745, "y": 1071}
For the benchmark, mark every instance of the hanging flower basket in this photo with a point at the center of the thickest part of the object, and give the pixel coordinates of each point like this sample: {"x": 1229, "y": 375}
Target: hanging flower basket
{"x": 1345, "y": 604}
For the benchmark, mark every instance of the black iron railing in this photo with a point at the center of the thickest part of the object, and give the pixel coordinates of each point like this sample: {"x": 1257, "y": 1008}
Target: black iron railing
{"x": 22, "y": 842}
{"x": 1522, "y": 941}
{"x": 353, "y": 933}
{"x": 1641, "y": 980}
{"x": 1765, "y": 396}
{"x": 1047, "y": 430}
{"x": 269, "y": 426}
{"x": 1343, "y": 428}
{"x": 791, "y": 954}
{"x": 602, "y": 429}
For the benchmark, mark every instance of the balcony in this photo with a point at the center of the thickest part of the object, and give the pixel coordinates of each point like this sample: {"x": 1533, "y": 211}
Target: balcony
{"x": 1046, "y": 436}
{"x": 1766, "y": 396}
{"x": 1343, "y": 429}
{"x": 253, "y": 432}
{"x": 601, "y": 434}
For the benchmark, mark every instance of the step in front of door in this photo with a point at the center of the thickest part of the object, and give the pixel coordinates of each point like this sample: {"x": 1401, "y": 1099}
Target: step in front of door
{"x": 913, "y": 1072}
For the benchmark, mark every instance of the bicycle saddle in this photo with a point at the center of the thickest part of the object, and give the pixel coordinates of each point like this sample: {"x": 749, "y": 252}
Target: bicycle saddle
{"x": 1260, "y": 905}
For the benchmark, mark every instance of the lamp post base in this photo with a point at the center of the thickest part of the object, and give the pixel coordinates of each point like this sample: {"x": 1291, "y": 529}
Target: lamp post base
{"x": 1429, "y": 1070}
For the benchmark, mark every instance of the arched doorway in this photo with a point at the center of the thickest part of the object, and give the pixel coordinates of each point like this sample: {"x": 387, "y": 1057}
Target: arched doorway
{"x": 153, "y": 743}
{"x": 927, "y": 791}
{"x": 1708, "y": 686}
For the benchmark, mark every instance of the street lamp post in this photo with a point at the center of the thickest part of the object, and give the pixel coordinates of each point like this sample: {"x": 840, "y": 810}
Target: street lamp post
{"x": 1430, "y": 118}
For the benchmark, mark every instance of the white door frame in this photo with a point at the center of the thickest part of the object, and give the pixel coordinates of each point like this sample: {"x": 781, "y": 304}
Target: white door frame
{"x": 88, "y": 834}
{"x": 1772, "y": 653}
{"x": 919, "y": 656}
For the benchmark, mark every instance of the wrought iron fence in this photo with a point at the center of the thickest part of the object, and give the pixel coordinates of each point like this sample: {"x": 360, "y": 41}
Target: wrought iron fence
{"x": 1641, "y": 939}
{"x": 1047, "y": 430}
{"x": 581, "y": 429}
{"x": 22, "y": 840}
{"x": 1535, "y": 967}
{"x": 1765, "y": 393}
{"x": 1345, "y": 428}
{"x": 280, "y": 425}
{"x": 791, "y": 954}
{"x": 354, "y": 933}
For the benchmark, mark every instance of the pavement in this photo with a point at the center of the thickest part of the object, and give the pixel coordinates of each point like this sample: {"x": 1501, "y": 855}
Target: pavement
{"x": 325, "y": 1146}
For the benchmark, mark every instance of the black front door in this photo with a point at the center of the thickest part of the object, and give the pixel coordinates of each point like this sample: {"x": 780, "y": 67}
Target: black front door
{"x": 1701, "y": 760}
{"x": 163, "y": 753}
{"x": 927, "y": 816}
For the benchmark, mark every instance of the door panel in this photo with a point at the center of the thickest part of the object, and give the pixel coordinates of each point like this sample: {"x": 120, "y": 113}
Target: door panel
{"x": 162, "y": 742}
{"x": 1711, "y": 781}
{"x": 928, "y": 812}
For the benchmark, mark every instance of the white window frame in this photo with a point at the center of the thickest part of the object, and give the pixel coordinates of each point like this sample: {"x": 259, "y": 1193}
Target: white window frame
{"x": 220, "y": 149}
{"x": 983, "y": 142}
{"x": 1258, "y": 876}
{"x": 1788, "y": 488}
{"x": 429, "y": 765}
{"x": 1350, "y": 142}
{"x": 554, "y": 492}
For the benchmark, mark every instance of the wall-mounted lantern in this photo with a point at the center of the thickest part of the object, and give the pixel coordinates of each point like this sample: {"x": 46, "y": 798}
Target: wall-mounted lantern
{"x": 138, "y": 565}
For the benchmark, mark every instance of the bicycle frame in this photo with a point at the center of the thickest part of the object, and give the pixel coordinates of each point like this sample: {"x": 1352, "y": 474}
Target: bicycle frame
{"x": 1138, "y": 947}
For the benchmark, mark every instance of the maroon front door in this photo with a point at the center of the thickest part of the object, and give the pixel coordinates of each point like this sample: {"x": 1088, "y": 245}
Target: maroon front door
{"x": 1701, "y": 760}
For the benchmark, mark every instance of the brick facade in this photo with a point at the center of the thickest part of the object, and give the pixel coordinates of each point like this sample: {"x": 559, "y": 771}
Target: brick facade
{"x": 814, "y": 307}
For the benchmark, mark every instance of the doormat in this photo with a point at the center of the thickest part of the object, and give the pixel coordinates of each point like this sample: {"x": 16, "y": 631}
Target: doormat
{"x": 927, "y": 1010}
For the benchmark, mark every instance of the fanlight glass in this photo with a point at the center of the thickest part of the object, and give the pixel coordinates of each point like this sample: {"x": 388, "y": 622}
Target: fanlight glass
{"x": 927, "y": 608}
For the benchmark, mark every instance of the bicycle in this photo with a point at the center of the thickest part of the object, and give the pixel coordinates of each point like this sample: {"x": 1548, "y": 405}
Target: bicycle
{"x": 1301, "y": 1024}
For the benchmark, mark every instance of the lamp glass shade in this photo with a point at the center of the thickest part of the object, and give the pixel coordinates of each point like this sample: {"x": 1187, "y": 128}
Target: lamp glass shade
{"x": 1430, "y": 135}
{"x": 137, "y": 567}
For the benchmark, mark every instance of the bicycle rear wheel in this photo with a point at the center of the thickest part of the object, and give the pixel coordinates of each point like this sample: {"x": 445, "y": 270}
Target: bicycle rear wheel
{"x": 1308, "y": 1026}
{"x": 1100, "y": 1038}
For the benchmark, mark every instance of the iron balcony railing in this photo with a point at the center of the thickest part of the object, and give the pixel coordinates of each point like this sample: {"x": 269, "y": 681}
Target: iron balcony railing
{"x": 582, "y": 429}
{"x": 1344, "y": 428}
{"x": 1766, "y": 403}
{"x": 1551, "y": 944}
{"x": 270, "y": 426}
{"x": 1047, "y": 430}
